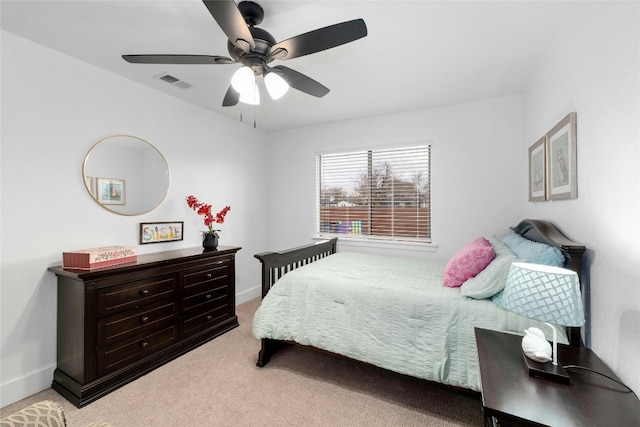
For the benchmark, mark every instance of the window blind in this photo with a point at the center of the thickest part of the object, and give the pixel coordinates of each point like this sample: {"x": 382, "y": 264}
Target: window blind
{"x": 375, "y": 193}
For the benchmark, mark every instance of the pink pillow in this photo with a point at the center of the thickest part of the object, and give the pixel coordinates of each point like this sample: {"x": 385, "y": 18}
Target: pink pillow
{"x": 468, "y": 262}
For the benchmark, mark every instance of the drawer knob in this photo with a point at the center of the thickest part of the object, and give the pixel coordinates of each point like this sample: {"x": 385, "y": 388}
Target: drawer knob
{"x": 144, "y": 344}
{"x": 209, "y": 317}
{"x": 209, "y": 275}
{"x": 144, "y": 319}
{"x": 144, "y": 292}
{"x": 208, "y": 296}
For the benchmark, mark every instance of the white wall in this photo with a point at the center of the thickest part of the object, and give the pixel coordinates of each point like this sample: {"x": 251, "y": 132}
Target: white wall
{"x": 474, "y": 179}
{"x": 595, "y": 73}
{"x": 54, "y": 108}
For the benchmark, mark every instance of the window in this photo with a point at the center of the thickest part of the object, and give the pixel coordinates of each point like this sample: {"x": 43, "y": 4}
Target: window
{"x": 382, "y": 194}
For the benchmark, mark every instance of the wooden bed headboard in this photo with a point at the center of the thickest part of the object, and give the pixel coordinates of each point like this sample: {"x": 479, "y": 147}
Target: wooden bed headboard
{"x": 547, "y": 233}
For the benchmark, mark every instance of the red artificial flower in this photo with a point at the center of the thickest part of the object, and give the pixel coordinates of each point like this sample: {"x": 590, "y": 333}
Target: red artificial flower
{"x": 205, "y": 210}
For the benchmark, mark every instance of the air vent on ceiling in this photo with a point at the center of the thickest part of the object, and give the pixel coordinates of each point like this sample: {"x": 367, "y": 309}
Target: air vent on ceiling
{"x": 174, "y": 81}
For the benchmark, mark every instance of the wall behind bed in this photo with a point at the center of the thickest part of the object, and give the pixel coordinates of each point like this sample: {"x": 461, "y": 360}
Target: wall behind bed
{"x": 475, "y": 179}
{"x": 595, "y": 73}
{"x": 480, "y": 167}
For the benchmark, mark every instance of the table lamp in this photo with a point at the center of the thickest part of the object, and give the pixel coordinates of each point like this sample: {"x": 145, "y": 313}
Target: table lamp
{"x": 549, "y": 294}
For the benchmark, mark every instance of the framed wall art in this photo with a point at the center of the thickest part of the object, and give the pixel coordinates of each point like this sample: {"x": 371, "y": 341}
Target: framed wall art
{"x": 159, "y": 232}
{"x": 89, "y": 182}
{"x": 110, "y": 191}
{"x": 561, "y": 156}
{"x": 538, "y": 171}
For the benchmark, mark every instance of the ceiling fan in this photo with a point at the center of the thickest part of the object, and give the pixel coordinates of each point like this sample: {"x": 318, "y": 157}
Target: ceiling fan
{"x": 255, "y": 49}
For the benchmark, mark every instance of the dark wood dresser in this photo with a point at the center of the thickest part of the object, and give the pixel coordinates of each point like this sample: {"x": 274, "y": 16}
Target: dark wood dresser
{"x": 118, "y": 323}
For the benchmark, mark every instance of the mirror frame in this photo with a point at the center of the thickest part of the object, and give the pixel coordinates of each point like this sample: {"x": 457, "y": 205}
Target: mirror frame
{"x": 90, "y": 191}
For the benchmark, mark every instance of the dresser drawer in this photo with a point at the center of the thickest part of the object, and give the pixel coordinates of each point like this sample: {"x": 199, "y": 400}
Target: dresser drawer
{"x": 121, "y": 355}
{"x": 206, "y": 277}
{"x": 212, "y": 297}
{"x": 207, "y": 319}
{"x": 136, "y": 323}
{"x": 116, "y": 299}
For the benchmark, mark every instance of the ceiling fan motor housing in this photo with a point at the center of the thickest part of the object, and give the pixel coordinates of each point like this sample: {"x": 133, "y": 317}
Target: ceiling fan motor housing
{"x": 252, "y": 12}
{"x": 258, "y": 57}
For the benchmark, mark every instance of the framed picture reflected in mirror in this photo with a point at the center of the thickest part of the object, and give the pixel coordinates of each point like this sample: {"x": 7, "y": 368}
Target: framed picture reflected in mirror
{"x": 110, "y": 191}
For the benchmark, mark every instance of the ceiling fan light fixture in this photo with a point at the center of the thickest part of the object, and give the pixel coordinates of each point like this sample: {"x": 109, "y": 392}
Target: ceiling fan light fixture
{"x": 252, "y": 97}
{"x": 243, "y": 80}
{"x": 276, "y": 85}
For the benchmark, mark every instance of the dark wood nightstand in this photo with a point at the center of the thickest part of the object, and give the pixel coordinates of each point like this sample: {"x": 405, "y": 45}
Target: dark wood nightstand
{"x": 511, "y": 397}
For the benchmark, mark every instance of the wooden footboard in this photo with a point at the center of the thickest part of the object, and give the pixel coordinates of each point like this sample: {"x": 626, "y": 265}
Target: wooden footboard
{"x": 276, "y": 265}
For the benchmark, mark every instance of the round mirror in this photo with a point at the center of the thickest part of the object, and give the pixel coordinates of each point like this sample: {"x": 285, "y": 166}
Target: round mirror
{"x": 126, "y": 175}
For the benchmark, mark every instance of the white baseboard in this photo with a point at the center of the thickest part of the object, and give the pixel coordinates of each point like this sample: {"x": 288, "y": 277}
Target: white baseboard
{"x": 20, "y": 388}
{"x": 25, "y": 386}
{"x": 248, "y": 295}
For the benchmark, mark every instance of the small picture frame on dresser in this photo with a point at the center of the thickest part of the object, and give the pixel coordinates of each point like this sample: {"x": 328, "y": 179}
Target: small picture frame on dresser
{"x": 160, "y": 232}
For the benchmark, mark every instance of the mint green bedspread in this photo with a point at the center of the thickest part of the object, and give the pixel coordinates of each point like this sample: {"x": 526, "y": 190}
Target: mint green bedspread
{"x": 391, "y": 312}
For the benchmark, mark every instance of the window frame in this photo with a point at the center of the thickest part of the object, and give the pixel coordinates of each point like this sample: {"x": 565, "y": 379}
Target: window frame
{"x": 380, "y": 238}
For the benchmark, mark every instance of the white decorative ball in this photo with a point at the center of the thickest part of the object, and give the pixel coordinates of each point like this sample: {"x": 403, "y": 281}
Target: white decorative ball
{"x": 536, "y": 346}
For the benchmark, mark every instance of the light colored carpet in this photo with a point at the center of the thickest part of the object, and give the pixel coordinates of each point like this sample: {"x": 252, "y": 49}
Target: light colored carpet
{"x": 218, "y": 384}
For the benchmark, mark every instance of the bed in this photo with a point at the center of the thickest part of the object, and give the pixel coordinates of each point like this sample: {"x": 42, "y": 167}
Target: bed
{"x": 395, "y": 312}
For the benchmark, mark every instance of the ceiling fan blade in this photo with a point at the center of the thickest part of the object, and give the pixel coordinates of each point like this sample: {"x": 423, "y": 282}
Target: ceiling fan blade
{"x": 301, "y": 82}
{"x": 320, "y": 39}
{"x": 231, "y": 98}
{"x": 177, "y": 59}
{"x": 230, "y": 20}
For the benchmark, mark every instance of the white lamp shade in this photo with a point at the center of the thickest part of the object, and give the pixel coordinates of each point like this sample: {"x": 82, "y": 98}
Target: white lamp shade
{"x": 243, "y": 80}
{"x": 276, "y": 86}
{"x": 548, "y": 294}
{"x": 252, "y": 97}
